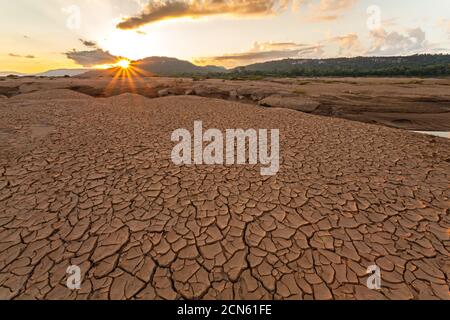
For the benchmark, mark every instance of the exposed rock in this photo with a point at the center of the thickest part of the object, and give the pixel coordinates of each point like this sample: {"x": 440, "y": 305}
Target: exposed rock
{"x": 163, "y": 92}
{"x": 298, "y": 103}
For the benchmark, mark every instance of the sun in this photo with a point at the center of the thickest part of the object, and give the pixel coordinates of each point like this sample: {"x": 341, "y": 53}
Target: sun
{"x": 124, "y": 63}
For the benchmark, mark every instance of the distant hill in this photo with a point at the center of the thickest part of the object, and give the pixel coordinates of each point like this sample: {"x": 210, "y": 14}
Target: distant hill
{"x": 161, "y": 66}
{"x": 61, "y": 73}
{"x": 172, "y": 66}
{"x": 11, "y": 73}
{"x": 415, "y": 65}
{"x": 50, "y": 73}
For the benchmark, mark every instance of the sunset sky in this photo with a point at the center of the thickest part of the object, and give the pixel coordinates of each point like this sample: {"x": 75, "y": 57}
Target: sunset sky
{"x": 38, "y": 35}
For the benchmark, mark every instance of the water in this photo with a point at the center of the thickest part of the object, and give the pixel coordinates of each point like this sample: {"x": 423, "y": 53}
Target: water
{"x": 443, "y": 134}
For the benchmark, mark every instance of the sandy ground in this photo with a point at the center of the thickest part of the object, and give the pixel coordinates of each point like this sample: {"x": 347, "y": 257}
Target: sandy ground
{"x": 405, "y": 103}
{"x": 88, "y": 181}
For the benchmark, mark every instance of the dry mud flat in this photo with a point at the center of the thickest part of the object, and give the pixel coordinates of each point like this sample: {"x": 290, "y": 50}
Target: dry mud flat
{"x": 405, "y": 103}
{"x": 89, "y": 182}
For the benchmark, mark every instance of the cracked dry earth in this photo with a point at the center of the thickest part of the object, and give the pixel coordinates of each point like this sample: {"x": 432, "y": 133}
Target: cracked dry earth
{"x": 89, "y": 182}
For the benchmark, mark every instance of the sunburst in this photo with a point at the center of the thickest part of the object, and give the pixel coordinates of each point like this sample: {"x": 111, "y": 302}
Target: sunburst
{"x": 123, "y": 63}
{"x": 126, "y": 73}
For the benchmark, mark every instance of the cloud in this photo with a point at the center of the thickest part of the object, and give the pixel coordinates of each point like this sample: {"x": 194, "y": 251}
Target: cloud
{"x": 336, "y": 5}
{"x": 89, "y": 44}
{"x": 276, "y": 46}
{"x": 263, "y": 52}
{"x": 322, "y": 18}
{"x": 382, "y": 42}
{"x": 349, "y": 45}
{"x": 91, "y": 58}
{"x": 395, "y": 43}
{"x": 158, "y": 10}
{"x": 326, "y": 10}
{"x": 163, "y": 10}
{"x": 15, "y": 55}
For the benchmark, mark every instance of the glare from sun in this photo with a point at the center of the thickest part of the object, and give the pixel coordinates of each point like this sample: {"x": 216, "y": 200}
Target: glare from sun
{"x": 124, "y": 64}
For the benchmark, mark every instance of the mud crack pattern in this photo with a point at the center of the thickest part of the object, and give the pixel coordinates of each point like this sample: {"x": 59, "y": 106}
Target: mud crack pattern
{"x": 89, "y": 182}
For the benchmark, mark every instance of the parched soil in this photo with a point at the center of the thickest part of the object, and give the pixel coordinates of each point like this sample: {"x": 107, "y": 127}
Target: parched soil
{"x": 89, "y": 182}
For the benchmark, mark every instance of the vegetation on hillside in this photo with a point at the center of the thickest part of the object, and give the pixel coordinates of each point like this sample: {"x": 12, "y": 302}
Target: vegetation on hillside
{"x": 410, "y": 66}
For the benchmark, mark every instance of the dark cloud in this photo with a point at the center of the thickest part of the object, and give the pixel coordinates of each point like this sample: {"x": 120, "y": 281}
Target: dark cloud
{"x": 91, "y": 58}
{"x": 89, "y": 44}
{"x": 162, "y": 10}
{"x": 29, "y": 56}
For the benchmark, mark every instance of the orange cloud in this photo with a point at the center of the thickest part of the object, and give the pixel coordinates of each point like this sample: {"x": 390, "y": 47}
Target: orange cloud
{"x": 327, "y": 10}
{"x": 159, "y": 10}
{"x": 163, "y": 10}
{"x": 349, "y": 45}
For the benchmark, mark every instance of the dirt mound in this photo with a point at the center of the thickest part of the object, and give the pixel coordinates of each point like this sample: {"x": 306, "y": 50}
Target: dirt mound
{"x": 56, "y": 94}
{"x": 127, "y": 99}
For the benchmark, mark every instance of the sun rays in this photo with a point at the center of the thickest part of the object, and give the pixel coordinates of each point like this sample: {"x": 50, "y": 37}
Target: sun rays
{"x": 125, "y": 76}
{"x": 123, "y": 63}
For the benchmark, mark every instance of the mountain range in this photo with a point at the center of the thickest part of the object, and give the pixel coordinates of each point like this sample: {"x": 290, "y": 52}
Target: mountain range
{"x": 49, "y": 73}
{"x": 416, "y": 65}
